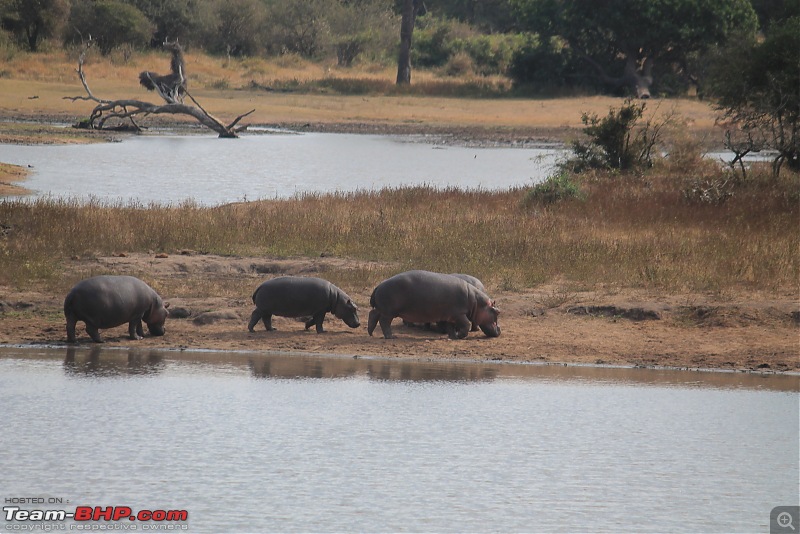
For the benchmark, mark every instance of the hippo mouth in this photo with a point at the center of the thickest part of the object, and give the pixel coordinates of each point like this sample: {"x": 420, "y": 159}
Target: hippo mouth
{"x": 158, "y": 330}
{"x": 491, "y": 330}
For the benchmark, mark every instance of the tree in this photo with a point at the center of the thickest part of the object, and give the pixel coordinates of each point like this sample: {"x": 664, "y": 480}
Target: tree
{"x": 173, "y": 19}
{"x": 238, "y": 27}
{"x": 410, "y": 10}
{"x": 358, "y": 26}
{"x": 109, "y": 23}
{"x": 633, "y": 35}
{"x": 34, "y": 20}
{"x": 758, "y": 90}
{"x": 299, "y": 26}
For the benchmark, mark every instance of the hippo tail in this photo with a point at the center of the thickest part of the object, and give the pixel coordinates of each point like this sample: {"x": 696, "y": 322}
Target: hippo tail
{"x": 253, "y": 298}
{"x": 372, "y": 299}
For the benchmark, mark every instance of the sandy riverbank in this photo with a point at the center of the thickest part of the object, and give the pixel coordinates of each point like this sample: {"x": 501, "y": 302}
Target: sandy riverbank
{"x": 550, "y": 323}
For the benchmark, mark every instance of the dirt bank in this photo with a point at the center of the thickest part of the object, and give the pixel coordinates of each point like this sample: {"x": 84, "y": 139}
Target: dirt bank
{"x": 550, "y": 323}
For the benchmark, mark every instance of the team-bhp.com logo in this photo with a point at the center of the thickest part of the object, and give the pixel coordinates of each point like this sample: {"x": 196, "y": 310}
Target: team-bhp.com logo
{"x": 94, "y": 518}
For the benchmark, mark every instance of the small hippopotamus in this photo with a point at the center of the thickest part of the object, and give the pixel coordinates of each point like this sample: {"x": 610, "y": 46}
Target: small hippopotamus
{"x": 109, "y": 301}
{"x": 427, "y": 297}
{"x": 299, "y": 296}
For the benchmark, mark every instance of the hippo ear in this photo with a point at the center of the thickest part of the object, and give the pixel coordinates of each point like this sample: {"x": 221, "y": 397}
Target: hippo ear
{"x": 166, "y": 304}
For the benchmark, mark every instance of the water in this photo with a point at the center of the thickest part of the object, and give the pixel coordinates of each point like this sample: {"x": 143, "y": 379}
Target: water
{"x": 275, "y": 443}
{"x": 208, "y": 170}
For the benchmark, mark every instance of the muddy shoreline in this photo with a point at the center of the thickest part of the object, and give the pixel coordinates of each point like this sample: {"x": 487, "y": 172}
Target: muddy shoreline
{"x": 549, "y": 324}
{"x": 734, "y": 330}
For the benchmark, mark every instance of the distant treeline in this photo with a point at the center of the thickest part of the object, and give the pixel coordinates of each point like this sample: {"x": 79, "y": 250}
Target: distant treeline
{"x": 553, "y": 45}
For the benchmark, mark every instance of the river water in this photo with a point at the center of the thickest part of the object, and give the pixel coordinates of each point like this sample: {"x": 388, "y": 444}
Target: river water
{"x": 171, "y": 169}
{"x": 251, "y": 442}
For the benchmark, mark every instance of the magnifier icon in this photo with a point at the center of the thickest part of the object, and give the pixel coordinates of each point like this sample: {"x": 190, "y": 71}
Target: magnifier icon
{"x": 784, "y": 520}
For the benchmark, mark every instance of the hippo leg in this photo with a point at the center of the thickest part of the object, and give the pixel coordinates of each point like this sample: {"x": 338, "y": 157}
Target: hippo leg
{"x": 93, "y": 333}
{"x": 135, "y": 329}
{"x": 386, "y": 327}
{"x": 316, "y": 320}
{"x": 372, "y": 322}
{"x": 254, "y": 318}
{"x": 459, "y": 329}
{"x": 258, "y": 316}
{"x": 71, "y": 321}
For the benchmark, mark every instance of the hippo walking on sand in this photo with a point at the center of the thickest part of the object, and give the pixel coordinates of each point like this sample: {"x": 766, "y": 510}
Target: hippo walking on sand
{"x": 110, "y": 301}
{"x": 299, "y": 296}
{"x": 427, "y": 297}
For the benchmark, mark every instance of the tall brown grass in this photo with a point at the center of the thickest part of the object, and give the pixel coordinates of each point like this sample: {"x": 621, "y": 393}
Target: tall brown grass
{"x": 629, "y": 231}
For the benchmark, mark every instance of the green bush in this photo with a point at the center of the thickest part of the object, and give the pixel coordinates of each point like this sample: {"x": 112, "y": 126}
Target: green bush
{"x": 110, "y": 23}
{"x": 555, "y": 188}
{"x": 617, "y": 141}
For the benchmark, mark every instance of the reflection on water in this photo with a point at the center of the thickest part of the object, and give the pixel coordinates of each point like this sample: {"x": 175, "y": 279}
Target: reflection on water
{"x": 251, "y": 442}
{"x": 98, "y": 361}
{"x": 215, "y": 171}
{"x": 113, "y": 363}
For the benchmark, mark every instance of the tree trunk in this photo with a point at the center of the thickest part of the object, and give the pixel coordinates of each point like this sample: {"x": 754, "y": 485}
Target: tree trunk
{"x": 638, "y": 82}
{"x": 406, "y": 31}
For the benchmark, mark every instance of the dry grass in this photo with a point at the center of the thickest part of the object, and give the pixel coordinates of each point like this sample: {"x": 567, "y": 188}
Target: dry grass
{"x": 632, "y": 232}
{"x": 316, "y": 92}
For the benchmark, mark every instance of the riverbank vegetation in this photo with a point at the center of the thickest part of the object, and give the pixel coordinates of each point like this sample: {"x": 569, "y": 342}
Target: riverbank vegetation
{"x": 683, "y": 225}
{"x": 540, "y": 46}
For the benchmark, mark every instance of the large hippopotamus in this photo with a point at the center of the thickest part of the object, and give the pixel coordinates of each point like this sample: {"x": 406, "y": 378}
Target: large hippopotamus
{"x": 299, "y": 296}
{"x": 109, "y": 301}
{"x": 468, "y": 278}
{"x": 427, "y": 297}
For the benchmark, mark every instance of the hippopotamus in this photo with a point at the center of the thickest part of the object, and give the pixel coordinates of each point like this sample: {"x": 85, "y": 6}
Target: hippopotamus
{"x": 299, "y": 296}
{"x": 109, "y": 301}
{"x": 470, "y": 280}
{"x": 441, "y": 326}
{"x": 427, "y": 297}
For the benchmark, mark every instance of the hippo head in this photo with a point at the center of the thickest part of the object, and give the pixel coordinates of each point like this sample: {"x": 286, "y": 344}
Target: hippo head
{"x": 486, "y": 318}
{"x": 156, "y": 317}
{"x": 347, "y": 311}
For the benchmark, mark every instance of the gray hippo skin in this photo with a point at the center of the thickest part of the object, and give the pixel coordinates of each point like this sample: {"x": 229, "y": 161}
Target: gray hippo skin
{"x": 426, "y": 297}
{"x": 441, "y": 326}
{"x": 110, "y": 301}
{"x": 299, "y": 296}
{"x": 471, "y": 280}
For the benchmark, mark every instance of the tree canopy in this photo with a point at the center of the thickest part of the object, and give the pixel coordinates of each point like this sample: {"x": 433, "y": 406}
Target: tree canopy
{"x": 758, "y": 89}
{"x": 637, "y": 33}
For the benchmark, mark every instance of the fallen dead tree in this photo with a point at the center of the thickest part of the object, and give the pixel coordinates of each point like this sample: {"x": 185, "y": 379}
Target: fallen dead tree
{"x": 127, "y": 111}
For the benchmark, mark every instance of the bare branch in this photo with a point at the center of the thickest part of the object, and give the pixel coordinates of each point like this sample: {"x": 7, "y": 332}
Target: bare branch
{"x": 129, "y": 109}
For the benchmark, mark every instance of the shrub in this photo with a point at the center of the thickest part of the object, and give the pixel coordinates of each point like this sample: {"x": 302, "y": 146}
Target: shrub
{"x": 616, "y": 141}
{"x": 555, "y": 188}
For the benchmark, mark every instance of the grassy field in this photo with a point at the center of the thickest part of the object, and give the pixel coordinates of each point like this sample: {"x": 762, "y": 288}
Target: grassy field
{"x": 629, "y": 231}
{"x": 34, "y": 86}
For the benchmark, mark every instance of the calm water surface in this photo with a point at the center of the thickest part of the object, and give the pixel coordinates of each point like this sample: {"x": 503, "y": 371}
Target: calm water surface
{"x": 251, "y": 442}
{"x": 172, "y": 169}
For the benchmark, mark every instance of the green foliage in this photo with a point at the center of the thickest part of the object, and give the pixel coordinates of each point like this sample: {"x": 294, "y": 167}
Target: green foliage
{"x": 237, "y": 32}
{"x": 184, "y": 20}
{"x": 445, "y": 42}
{"x": 616, "y": 141}
{"x": 31, "y": 21}
{"x": 669, "y": 31}
{"x": 547, "y": 65}
{"x": 555, "y": 188}
{"x": 758, "y": 90}
{"x": 361, "y": 27}
{"x": 110, "y": 23}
